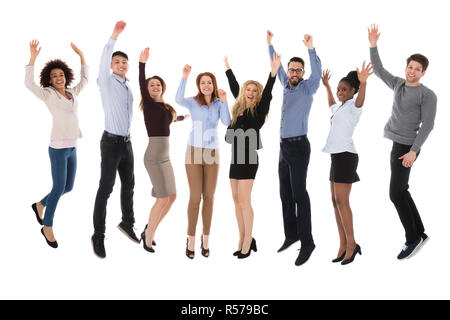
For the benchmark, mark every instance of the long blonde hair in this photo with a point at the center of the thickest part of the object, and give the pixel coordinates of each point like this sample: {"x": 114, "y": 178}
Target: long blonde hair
{"x": 240, "y": 106}
{"x": 163, "y": 89}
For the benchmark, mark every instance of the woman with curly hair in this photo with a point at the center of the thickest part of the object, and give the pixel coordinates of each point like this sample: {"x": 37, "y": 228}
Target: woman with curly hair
{"x": 248, "y": 116}
{"x": 158, "y": 117}
{"x": 55, "y": 79}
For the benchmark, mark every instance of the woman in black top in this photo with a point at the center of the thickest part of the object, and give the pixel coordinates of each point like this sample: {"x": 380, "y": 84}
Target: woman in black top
{"x": 248, "y": 116}
{"x": 158, "y": 116}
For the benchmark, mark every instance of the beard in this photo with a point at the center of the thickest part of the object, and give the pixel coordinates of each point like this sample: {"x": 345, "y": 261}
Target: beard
{"x": 293, "y": 81}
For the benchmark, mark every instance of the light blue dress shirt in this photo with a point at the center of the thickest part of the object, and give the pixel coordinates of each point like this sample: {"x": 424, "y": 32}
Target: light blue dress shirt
{"x": 117, "y": 99}
{"x": 297, "y": 100}
{"x": 204, "y": 119}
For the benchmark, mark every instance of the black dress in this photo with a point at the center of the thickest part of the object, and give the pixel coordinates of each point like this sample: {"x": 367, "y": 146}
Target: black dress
{"x": 244, "y": 134}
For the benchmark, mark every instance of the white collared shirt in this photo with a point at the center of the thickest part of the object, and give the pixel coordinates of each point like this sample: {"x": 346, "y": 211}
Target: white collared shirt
{"x": 344, "y": 119}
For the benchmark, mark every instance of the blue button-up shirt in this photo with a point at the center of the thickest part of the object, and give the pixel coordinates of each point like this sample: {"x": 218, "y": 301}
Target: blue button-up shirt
{"x": 204, "y": 119}
{"x": 297, "y": 100}
{"x": 117, "y": 99}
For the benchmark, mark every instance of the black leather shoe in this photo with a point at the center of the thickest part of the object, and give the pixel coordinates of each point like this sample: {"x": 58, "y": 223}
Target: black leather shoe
{"x": 252, "y": 247}
{"x": 236, "y": 253}
{"x": 145, "y": 243}
{"x": 356, "y": 251}
{"x": 287, "y": 243}
{"x": 339, "y": 259}
{"x": 129, "y": 232}
{"x": 98, "y": 244}
{"x": 34, "y": 207}
{"x": 54, "y": 244}
{"x": 304, "y": 255}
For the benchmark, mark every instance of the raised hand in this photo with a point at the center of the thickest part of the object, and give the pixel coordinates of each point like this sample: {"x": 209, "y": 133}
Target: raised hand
{"x": 144, "y": 55}
{"x": 34, "y": 51}
{"x": 222, "y": 95}
{"x": 374, "y": 35}
{"x": 365, "y": 72}
{"x": 275, "y": 62}
{"x": 118, "y": 28}
{"x": 186, "y": 71}
{"x": 269, "y": 37}
{"x": 326, "y": 76}
{"x": 227, "y": 65}
{"x": 308, "y": 41}
{"x": 78, "y": 52}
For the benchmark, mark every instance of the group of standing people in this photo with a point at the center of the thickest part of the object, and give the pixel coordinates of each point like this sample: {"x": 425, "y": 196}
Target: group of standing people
{"x": 412, "y": 120}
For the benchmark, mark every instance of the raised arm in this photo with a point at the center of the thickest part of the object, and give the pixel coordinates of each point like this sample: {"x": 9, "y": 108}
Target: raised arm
{"x": 363, "y": 75}
{"x": 325, "y": 80}
{"x": 224, "y": 112}
{"x": 179, "y": 98}
{"x": 281, "y": 73}
{"x": 143, "y": 58}
{"x": 84, "y": 70}
{"x": 313, "y": 82}
{"x": 380, "y": 72}
{"x": 29, "y": 71}
{"x": 105, "y": 60}
{"x": 234, "y": 85}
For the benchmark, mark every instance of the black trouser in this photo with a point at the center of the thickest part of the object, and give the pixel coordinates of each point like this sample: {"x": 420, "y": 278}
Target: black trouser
{"x": 117, "y": 155}
{"x": 400, "y": 196}
{"x": 292, "y": 171}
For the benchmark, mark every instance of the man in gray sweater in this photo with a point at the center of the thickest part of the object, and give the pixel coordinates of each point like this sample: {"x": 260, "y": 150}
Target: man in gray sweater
{"x": 412, "y": 120}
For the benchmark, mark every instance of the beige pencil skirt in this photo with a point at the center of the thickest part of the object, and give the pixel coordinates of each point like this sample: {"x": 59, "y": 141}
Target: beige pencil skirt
{"x": 159, "y": 168}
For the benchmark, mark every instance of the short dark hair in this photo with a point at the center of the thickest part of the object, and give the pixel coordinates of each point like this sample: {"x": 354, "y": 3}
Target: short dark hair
{"x": 352, "y": 80}
{"x": 420, "y": 59}
{"x": 120, "y": 54}
{"x": 296, "y": 59}
{"x": 52, "y": 65}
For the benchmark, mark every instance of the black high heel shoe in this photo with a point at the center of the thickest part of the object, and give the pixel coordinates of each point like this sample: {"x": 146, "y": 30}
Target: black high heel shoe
{"x": 357, "y": 250}
{"x": 237, "y": 253}
{"x": 252, "y": 247}
{"x": 205, "y": 252}
{"x": 145, "y": 244}
{"x": 190, "y": 254}
{"x": 54, "y": 244}
{"x": 339, "y": 259}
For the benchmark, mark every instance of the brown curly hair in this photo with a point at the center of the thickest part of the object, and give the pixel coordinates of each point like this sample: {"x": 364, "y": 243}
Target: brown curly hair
{"x": 55, "y": 64}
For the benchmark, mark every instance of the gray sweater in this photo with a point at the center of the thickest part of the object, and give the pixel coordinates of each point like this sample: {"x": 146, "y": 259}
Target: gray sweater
{"x": 413, "y": 111}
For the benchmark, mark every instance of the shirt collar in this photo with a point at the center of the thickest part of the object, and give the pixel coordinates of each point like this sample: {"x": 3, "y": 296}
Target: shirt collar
{"x": 120, "y": 79}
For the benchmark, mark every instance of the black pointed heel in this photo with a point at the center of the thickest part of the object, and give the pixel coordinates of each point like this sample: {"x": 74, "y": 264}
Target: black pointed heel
{"x": 356, "y": 251}
{"x": 252, "y": 247}
{"x": 339, "y": 259}
{"x": 145, "y": 244}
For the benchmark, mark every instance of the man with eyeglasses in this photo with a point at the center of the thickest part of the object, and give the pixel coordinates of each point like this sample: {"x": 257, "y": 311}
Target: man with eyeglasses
{"x": 295, "y": 149}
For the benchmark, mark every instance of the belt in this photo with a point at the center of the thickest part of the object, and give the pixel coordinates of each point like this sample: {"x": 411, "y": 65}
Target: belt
{"x": 299, "y": 138}
{"x": 116, "y": 137}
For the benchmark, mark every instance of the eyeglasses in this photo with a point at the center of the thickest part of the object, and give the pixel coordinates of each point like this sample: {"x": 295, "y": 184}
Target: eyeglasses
{"x": 291, "y": 70}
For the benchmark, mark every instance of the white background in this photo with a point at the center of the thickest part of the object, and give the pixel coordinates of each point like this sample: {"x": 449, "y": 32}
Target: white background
{"x": 201, "y": 33}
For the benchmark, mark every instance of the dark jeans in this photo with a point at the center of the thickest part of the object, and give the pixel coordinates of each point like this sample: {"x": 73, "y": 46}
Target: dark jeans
{"x": 400, "y": 196}
{"x": 292, "y": 171}
{"x": 117, "y": 155}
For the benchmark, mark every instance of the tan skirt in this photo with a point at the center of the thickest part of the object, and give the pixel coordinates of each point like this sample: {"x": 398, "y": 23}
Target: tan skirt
{"x": 159, "y": 168}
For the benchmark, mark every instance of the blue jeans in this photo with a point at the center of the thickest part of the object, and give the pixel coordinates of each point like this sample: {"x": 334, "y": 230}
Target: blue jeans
{"x": 64, "y": 168}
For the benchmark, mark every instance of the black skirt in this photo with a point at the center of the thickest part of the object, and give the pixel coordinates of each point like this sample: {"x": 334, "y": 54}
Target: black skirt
{"x": 343, "y": 167}
{"x": 243, "y": 171}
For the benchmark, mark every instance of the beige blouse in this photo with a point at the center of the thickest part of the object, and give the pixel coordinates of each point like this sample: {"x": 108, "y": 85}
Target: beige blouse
{"x": 63, "y": 110}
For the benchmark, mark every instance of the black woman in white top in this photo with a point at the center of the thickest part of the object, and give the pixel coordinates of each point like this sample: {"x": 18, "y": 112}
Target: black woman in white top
{"x": 344, "y": 159}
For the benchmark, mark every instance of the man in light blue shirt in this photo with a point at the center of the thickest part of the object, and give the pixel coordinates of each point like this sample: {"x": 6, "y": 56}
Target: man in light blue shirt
{"x": 115, "y": 145}
{"x": 295, "y": 149}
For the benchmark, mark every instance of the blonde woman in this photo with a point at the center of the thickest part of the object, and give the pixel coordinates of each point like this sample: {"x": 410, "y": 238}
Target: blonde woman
{"x": 248, "y": 116}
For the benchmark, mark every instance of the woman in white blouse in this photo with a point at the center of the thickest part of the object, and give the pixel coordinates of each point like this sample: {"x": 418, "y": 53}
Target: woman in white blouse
{"x": 344, "y": 159}
{"x": 55, "y": 78}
